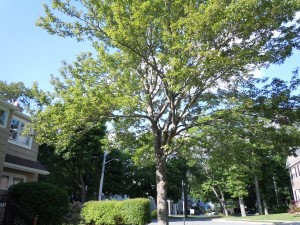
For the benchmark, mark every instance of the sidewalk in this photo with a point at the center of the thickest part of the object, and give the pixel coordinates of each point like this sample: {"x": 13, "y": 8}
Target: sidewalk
{"x": 225, "y": 221}
{"x": 258, "y": 222}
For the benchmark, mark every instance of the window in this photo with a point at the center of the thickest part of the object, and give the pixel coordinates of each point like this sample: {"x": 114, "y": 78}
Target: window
{"x": 3, "y": 117}
{"x": 293, "y": 173}
{"x": 15, "y": 134}
{"x": 4, "y": 182}
{"x": 297, "y": 195}
{"x": 8, "y": 180}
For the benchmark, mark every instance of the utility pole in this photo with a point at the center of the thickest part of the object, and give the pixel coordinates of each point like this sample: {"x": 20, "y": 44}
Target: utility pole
{"x": 102, "y": 176}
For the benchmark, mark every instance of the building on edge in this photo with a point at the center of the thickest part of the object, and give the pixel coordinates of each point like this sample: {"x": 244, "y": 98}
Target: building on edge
{"x": 18, "y": 154}
{"x": 293, "y": 165}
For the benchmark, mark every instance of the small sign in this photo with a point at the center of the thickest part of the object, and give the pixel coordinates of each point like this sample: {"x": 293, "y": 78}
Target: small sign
{"x": 192, "y": 211}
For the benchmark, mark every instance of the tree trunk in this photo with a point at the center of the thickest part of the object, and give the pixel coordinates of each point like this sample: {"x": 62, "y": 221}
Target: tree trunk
{"x": 161, "y": 187}
{"x": 224, "y": 204}
{"x": 242, "y": 206}
{"x": 257, "y": 195}
{"x": 221, "y": 200}
{"x": 265, "y": 207}
{"x": 161, "y": 180}
{"x": 276, "y": 191}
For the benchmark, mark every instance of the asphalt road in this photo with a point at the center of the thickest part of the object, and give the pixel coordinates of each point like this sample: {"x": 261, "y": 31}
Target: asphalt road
{"x": 213, "y": 221}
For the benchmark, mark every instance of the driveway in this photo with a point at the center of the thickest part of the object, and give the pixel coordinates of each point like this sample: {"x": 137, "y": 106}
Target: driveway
{"x": 214, "y": 221}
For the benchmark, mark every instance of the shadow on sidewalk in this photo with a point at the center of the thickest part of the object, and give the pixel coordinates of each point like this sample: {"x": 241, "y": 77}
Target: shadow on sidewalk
{"x": 189, "y": 219}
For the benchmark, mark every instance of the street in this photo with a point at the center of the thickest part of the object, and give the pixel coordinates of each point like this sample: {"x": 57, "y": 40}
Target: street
{"x": 216, "y": 221}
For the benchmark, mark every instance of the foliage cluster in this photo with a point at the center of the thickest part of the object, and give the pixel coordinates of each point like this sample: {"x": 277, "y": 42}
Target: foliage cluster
{"x": 74, "y": 164}
{"x": 47, "y": 201}
{"x": 131, "y": 211}
{"x": 27, "y": 98}
{"x": 274, "y": 209}
{"x": 154, "y": 214}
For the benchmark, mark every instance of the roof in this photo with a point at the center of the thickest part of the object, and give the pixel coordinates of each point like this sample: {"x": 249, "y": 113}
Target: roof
{"x": 292, "y": 160}
{"x": 16, "y": 110}
{"x": 9, "y": 105}
{"x": 18, "y": 163}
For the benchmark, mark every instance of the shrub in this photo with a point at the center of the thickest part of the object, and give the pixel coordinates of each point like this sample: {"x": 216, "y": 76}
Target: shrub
{"x": 279, "y": 209}
{"x": 294, "y": 208}
{"x": 99, "y": 213}
{"x": 154, "y": 214}
{"x": 136, "y": 211}
{"x": 131, "y": 211}
{"x": 47, "y": 201}
{"x": 208, "y": 210}
{"x": 73, "y": 216}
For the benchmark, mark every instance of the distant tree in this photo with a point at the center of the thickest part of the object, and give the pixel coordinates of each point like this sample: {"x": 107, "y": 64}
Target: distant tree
{"x": 237, "y": 180}
{"x": 141, "y": 181}
{"x": 251, "y": 133}
{"x": 178, "y": 171}
{"x": 18, "y": 93}
{"x": 77, "y": 165}
{"x": 13, "y": 91}
{"x": 274, "y": 184}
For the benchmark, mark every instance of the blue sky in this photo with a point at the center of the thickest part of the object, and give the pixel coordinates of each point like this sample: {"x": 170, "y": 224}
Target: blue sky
{"x": 29, "y": 53}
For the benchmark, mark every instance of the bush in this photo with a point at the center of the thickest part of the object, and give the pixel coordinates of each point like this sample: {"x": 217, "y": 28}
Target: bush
{"x": 136, "y": 211}
{"x": 294, "y": 208}
{"x": 131, "y": 211}
{"x": 103, "y": 212}
{"x": 47, "y": 201}
{"x": 154, "y": 214}
{"x": 73, "y": 216}
{"x": 279, "y": 209}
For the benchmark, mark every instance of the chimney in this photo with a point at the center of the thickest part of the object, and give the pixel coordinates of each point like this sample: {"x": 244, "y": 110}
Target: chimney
{"x": 17, "y": 104}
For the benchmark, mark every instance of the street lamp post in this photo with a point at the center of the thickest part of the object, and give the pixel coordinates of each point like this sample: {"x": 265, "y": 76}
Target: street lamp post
{"x": 102, "y": 176}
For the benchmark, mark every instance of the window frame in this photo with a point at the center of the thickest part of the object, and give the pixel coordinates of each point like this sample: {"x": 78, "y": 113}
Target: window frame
{"x": 18, "y": 132}
{"x": 294, "y": 172}
{"x": 4, "y": 125}
{"x": 11, "y": 177}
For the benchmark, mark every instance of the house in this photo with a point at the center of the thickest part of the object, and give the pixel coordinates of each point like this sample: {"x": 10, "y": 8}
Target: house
{"x": 293, "y": 165}
{"x": 194, "y": 206}
{"x": 18, "y": 154}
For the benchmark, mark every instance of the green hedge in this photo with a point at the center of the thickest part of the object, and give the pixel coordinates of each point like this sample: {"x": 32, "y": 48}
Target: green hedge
{"x": 136, "y": 211}
{"x": 104, "y": 212}
{"x": 131, "y": 211}
{"x": 47, "y": 201}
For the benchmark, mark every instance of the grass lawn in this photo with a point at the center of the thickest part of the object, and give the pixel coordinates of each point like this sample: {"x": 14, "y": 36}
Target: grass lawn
{"x": 271, "y": 217}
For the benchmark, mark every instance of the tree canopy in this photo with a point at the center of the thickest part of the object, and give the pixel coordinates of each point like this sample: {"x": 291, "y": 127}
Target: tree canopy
{"x": 162, "y": 64}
